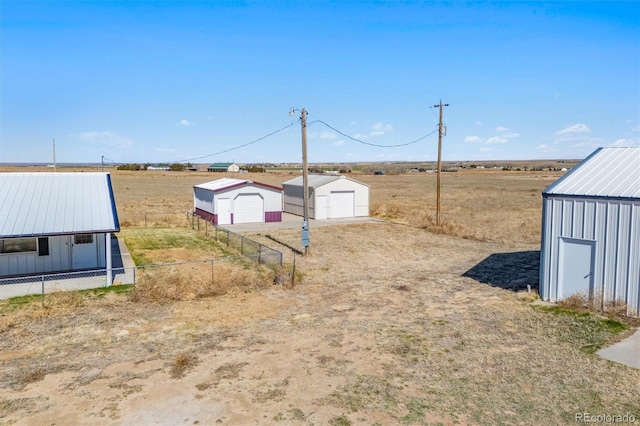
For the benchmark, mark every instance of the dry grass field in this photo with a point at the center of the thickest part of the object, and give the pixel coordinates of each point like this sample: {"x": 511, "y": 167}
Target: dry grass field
{"x": 397, "y": 322}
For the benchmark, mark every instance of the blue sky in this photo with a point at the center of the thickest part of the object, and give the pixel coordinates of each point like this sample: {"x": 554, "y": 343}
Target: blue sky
{"x": 162, "y": 81}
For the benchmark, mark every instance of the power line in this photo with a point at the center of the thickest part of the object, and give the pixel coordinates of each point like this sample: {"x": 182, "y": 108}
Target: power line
{"x": 374, "y": 144}
{"x": 239, "y": 146}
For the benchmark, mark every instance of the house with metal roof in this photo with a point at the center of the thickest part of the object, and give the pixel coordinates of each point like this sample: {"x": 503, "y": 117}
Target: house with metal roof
{"x": 330, "y": 197}
{"x": 56, "y": 222}
{"x": 229, "y": 201}
{"x": 591, "y": 230}
{"x": 224, "y": 167}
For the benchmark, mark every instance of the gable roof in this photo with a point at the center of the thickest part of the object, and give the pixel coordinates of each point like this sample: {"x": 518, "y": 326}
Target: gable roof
{"x": 316, "y": 180}
{"x": 229, "y": 183}
{"x": 33, "y": 204}
{"x": 611, "y": 172}
{"x": 220, "y": 165}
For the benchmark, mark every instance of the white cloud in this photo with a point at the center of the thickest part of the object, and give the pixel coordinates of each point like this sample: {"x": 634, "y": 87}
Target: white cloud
{"x": 473, "y": 139}
{"x": 501, "y": 129}
{"x": 105, "y": 138}
{"x": 573, "y": 130}
{"x": 627, "y": 142}
{"x": 496, "y": 139}
{"x": 510, "y": 135}
{"x": 635, "y": 129}
{"x": 186, "y": 123}
{"x": 546, "y": 148}
{"x": 327, "y": 135}
{"x": 338, "y": 143}
{"x": 478, "y": 123}
{"x": 380, "y": 127}
{"x": 360, "y": 136}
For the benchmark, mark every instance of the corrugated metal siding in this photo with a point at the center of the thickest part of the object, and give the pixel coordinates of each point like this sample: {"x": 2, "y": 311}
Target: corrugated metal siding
{"x": 323, "y": 185}
{"x": 33, "y": 204}
{"x": 612, "y": 172}
{"x": 205, "y": 194}
{"x": 614, "y": 225}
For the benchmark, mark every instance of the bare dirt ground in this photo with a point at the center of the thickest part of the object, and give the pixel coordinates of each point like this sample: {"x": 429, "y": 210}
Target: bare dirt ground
{"x": 390, "y": 324}
{"x": 384, "y": 329}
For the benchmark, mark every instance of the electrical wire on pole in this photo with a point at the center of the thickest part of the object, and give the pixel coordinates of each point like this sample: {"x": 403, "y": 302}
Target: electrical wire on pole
{"x": 440, "y": 134}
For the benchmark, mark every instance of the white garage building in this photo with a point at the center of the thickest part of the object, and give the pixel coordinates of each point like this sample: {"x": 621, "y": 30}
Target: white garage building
{"x": 227, "y": 201}
{"x": 330, "y": 197}
{"x": 591, "y": 230}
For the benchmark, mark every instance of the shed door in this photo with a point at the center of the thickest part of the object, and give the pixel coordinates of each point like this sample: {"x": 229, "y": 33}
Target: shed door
{"x": 320, "y": 209}
{"x": 224, "y": 211}
{"x": 84, "y": 251}
{"x": 248, "y": 208}
{"x": 576, "y": 267}
{"x": 342, "y": 204}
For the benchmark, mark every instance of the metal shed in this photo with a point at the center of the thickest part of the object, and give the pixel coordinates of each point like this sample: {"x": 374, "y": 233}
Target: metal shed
{"x": 56, "y": 222}
{"x": 591, "y": 230}
{"x": 227, "y": 201}
{"x": 224, "y": 167}
{"x": 330, "y": 197}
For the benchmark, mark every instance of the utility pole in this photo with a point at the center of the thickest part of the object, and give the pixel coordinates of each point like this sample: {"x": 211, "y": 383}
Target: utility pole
{"x": 305, "y": 179}
{"x": 305, "y": 182}
{"x": 440, "y": 134}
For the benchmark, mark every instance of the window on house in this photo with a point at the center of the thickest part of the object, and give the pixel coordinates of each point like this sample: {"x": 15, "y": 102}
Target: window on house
{"x": 43, "y": 246}
{"x": 83, "y": 239}
{"x": 18, "y": 245}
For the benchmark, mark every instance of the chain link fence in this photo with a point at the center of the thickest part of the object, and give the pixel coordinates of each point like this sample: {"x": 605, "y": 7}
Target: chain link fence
{"x": 68, "y": 281}
{"x": 152, "y": 220}
{"x": 175, "y": 281}
{"x": 245, "y": 246}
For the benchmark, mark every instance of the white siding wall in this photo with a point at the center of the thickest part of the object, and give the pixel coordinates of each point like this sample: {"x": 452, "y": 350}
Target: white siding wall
{"x": 361, "y": 192}
{"x": 614, "y": 225}
{"x": 58, "y": 260}
{"x": 203, "y": 198}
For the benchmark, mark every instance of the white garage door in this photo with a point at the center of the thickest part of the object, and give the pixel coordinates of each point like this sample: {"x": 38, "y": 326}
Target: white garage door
{"x": 342, "y": 204}
{"x": 248, "y": 208}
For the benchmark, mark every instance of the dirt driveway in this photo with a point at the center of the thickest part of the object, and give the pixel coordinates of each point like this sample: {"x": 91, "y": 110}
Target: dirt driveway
{"x": 384, "y": 329}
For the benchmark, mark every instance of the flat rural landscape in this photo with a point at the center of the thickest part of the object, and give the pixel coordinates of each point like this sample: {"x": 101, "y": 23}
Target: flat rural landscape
{"x": 395, "y": 321}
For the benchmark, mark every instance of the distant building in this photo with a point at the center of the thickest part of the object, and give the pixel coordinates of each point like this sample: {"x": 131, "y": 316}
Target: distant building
{"x": 56, "y": 222}
{"x": 224, "y": 167}
{"x": 591, "y": 230}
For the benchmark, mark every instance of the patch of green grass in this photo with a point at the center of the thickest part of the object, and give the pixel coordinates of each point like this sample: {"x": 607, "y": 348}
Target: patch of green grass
{"x": 141, "y": 242}
{"x": 416, "y": 413}
{"x": 340, "y": 421}
{"x": 588, "y": 331}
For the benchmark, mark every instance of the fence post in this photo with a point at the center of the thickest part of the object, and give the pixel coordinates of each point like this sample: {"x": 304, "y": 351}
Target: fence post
{"x": 242, "y": 245}
{"x": 134, "y": 275}
{"x": 212, "y": 280}
{"x": 206, "y": 228}
{"x": 259, "y": 254}
{"x": 43, "y": 290}
{"x": 227, "y": 237}
{"x": 145, "y": 220}
{"x": 216, "y": 231}
{"x": 293, "y": 272}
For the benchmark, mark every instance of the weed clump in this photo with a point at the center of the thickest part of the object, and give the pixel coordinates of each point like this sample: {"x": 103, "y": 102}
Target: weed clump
{"x": 169, "y": 284}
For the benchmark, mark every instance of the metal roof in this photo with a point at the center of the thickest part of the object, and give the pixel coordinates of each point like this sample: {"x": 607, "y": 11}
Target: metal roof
{"x": 316, "y": 181}
{"x": 611, "y": 172}
{"x": 227, "y": 183}
{"x": 33, "y": 204}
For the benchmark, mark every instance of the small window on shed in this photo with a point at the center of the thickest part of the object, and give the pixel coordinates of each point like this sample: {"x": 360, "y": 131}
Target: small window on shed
{"x": 43, "y": 246}
{"x": 83, "y": 239}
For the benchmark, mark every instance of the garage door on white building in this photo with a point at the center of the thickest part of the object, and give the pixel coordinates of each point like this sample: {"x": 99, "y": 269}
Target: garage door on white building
{"x": 248, "y": 208}
{"x": 342, "y": 204}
